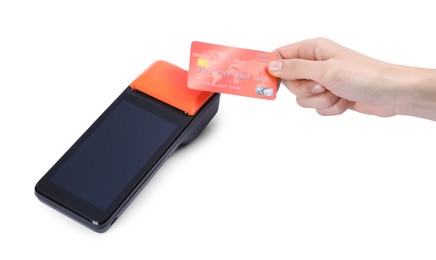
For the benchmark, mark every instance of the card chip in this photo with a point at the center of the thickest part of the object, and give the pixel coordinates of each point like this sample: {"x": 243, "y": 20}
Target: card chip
{"x": 201, "y": 62}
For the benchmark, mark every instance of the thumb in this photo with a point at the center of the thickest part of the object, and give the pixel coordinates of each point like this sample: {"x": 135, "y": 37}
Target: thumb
{"x": 292, "y": 69}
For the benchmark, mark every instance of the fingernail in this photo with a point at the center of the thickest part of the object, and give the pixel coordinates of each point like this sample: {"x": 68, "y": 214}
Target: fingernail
{"x": 275, "y": 65}
{"x": 317, "y": 89}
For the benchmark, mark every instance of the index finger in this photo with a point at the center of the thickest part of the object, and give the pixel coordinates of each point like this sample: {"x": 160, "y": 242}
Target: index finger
{"x": 311, "y": 49}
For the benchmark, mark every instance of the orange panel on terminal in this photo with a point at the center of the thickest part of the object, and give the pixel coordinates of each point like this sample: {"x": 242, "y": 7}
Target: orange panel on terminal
{"x": 168, "y": 83}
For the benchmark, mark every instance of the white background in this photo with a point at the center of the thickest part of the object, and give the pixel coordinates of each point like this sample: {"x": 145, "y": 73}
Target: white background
{"x": 266, "y": 180}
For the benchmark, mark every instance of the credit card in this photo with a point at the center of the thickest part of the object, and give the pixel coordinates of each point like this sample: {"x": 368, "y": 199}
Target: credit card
{"x": 231, "y": 70}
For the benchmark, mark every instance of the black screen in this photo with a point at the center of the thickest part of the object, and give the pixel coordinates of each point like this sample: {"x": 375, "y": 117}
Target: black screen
{"x": 113, "y": 154}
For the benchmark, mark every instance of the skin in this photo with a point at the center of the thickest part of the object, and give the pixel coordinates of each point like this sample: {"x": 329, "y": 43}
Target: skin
{"x": 332, "y": 79}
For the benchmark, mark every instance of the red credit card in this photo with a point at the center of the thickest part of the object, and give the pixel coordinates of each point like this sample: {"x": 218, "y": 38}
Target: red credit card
{"x": 230, "y": 70}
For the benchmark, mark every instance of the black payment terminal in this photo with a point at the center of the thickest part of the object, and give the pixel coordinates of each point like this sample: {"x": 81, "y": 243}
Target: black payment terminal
{"x": 103, "y": 171}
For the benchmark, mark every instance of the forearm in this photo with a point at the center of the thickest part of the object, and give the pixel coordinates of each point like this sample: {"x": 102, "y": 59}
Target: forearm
{"x": 416, "y": 95}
